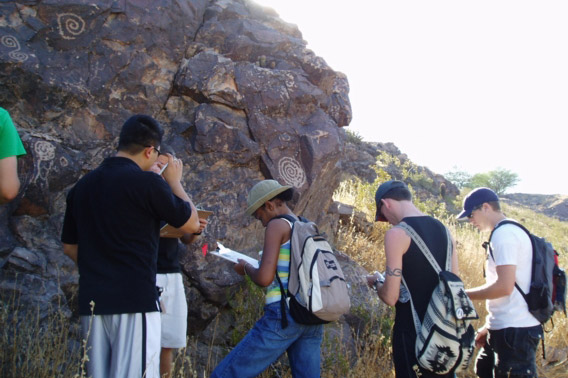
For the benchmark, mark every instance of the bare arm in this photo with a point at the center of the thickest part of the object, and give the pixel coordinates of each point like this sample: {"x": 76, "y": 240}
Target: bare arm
{"x": 277, "y": 232}
{"x": 190, "y": 238}
{"x": 396, "y": 245}
{"x": 455, "y": 262}
{"x": 172, "y": 175}
{"x": 9, "y": 181}
{"x": 71, "y": 251}
{"x": 504, "y": 285}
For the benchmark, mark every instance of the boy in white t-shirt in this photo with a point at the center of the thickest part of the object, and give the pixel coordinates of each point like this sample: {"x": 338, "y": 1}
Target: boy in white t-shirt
{"x": 511, "y": 335}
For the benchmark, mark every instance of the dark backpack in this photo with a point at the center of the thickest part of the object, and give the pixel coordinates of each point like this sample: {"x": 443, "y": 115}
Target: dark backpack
{"x": 317, "y": 291}
{"x": 547, "y": 292}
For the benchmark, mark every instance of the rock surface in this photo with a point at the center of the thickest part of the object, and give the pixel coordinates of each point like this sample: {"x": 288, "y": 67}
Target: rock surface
{"x": 239, "y": 94}
{"x": 241, "y": 99}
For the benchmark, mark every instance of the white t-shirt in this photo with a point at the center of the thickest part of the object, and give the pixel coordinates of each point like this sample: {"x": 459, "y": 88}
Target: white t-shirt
{"x": 511, "y": 246}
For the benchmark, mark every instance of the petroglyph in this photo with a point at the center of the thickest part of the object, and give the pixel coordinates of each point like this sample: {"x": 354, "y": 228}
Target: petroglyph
{"x": 320, "y": 134}
{"x": 292, "y": 172}
{"x": 285, "y": 137}
{"x": 11, "y": 42}
{"x": 44, "y": 153}
{"x": 70, "y": 25}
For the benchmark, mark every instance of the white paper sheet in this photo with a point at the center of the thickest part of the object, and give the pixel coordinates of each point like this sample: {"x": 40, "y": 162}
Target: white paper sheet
{"x": 233, "y": 256}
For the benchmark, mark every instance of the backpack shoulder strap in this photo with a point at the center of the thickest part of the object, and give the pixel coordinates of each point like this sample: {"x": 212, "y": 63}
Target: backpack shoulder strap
{"x": 510, "y": 221}
{"x": 287, "y": 217}
{"x": 283, "y": 293}
{"x": 426, "y": 251}
{"x": 424, "y": 248}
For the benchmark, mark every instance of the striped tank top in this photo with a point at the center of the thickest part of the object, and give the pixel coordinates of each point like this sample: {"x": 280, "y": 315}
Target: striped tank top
{"x": 283, "y": 270}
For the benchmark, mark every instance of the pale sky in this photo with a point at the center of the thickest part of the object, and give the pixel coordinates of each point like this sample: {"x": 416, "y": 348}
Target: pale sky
{"x": 477, "y": 85}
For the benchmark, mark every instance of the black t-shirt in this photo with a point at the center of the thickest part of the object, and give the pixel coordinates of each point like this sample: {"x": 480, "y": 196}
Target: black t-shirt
{"x": 168, "y": 255}
{"x": 113, "y": 214}
{"x": 417, "y": 271}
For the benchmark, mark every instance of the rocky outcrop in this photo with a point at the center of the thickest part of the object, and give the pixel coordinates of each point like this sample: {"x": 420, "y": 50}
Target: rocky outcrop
{"x": 239, "y": 94}
{"x": 361, "y": 159}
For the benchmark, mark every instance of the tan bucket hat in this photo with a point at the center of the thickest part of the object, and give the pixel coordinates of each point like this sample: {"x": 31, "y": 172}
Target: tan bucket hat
{"x": 263, "y": 191}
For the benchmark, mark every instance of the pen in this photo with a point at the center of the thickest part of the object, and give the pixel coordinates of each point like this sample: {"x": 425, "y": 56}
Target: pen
{"x": 163, "y": 168}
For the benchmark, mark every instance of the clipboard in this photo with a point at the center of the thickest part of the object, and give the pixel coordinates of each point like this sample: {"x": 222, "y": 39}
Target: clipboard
{"x": 233, "y": 256}
{"x": 203, "y": 214}
{"x": 168, "y": 231}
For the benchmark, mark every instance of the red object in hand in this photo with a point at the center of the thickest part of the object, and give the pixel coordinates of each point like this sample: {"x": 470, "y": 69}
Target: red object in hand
{"x": 204, "y": 249}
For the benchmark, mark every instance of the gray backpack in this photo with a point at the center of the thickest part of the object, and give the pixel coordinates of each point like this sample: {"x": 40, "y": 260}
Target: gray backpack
{"x": 317, "y": 291}
{"x": 445, "y": 339}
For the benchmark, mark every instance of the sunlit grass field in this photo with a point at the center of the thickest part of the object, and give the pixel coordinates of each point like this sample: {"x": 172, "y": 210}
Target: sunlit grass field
{"x": 48, "y": 348}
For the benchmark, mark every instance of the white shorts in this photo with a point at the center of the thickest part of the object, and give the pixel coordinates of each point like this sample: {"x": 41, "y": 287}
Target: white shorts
{"x": 174, "y": 310}
{"x": 122, "y": 345}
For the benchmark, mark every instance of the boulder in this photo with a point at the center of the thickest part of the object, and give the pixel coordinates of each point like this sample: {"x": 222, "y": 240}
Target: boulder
{"x": 241, "y": 99}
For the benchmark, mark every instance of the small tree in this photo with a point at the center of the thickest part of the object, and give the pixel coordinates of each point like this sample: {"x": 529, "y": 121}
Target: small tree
{"x": 503, "y": 179}
{"x": 479, "y": 180}
{"x": 499, "y": 180}
{"x": 461, "y": 179}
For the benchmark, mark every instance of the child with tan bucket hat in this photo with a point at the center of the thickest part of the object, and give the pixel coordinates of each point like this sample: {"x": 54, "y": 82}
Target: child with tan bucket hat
{"x": 267, "y": 340}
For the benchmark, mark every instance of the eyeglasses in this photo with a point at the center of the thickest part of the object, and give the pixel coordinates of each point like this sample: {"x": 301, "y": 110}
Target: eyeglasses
{"x": 472, "y": 210}
{"x": 155, "y": 148}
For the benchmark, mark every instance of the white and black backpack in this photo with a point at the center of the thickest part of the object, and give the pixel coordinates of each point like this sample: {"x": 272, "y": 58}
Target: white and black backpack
{"x": 445, "y": 339}
{"x": 317, "y": 291}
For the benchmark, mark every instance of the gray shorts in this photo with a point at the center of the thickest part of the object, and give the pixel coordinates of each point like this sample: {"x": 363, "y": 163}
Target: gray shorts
{"x": 122, "y": 345}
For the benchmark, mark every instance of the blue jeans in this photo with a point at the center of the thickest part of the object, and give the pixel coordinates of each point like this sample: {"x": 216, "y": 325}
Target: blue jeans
{"x": 509, "y": 352}
{"x": 266, "y": 341}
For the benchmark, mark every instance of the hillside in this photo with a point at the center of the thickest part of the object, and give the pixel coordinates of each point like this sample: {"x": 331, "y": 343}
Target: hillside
{"x": 360, "y": 157}
{"x": 555, "y": 206}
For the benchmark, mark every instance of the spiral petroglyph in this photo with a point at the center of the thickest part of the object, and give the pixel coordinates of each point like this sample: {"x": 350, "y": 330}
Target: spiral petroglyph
{"x": 70, "y": 25}
{"x": 292, "y": 172}
{"x": 11, "y": 42}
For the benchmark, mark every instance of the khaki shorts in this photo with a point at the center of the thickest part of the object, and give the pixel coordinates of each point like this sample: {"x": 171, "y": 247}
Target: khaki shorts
{"x": 174, "y": 310}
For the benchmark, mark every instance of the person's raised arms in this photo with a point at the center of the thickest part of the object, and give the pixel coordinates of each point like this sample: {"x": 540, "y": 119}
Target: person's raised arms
{"x": 172, "y": 174}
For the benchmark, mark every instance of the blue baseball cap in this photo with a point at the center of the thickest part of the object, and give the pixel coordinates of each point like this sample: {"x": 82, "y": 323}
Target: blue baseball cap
{"x": 382, "y": 190}
{"x": 476, "y": 198}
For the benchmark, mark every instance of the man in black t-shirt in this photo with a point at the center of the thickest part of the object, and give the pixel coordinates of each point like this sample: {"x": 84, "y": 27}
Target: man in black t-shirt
{"x": 404, "y": 258}
{"x": 111, "y": 230}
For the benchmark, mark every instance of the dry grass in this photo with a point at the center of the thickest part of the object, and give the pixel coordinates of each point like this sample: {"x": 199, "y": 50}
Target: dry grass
{"x": 34, "y": 347}
{"x": 368, "y": 250}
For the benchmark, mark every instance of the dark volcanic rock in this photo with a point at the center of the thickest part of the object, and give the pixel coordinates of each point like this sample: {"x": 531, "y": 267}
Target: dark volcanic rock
{"x": 239, "y": 95}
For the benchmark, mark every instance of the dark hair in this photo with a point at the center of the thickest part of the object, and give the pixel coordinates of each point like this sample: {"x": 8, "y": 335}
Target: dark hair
{"x": 285, "y": 196}
{"x": 495, "y": 205}
{"x": 399, "y": 194}
{"x": 167, "y": 149}
{"x": 138, "y": 132}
